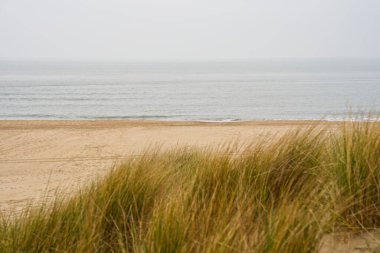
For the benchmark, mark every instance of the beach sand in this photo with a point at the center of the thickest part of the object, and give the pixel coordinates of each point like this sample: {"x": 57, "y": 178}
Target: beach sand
{"x": 40, "y": 159}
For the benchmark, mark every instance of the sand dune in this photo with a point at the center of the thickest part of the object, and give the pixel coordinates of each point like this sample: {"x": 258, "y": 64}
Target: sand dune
{"x": 39, "y": 158}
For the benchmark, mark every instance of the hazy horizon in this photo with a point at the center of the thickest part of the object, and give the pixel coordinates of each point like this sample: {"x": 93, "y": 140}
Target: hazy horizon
{"x": 212, "y": 60}
{"x": 185, "y": 60}
{"x": 170, "y": 30}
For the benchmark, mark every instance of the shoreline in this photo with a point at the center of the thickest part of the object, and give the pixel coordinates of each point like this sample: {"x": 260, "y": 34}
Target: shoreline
{"x": 139, "y": 122}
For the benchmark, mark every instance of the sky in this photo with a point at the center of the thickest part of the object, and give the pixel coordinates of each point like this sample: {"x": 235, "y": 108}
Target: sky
{"x": 189, "y": 29}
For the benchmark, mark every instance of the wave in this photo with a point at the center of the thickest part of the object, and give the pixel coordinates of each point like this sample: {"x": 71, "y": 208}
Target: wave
{"x": 184, "y": 118}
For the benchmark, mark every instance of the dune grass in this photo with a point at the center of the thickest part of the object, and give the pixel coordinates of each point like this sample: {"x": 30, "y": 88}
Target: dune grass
{"x": 274, "y": 196}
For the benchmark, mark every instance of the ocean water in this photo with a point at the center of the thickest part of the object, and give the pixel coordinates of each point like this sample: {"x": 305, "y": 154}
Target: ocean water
{"x": 204, "y": 91}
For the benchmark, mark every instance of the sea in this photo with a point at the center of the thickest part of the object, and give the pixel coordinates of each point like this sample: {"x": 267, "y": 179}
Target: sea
{"x": 278, "y": 89}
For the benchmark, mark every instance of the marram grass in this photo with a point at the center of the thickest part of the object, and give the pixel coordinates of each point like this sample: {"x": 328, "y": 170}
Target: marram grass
{"x": 277, "y": 196}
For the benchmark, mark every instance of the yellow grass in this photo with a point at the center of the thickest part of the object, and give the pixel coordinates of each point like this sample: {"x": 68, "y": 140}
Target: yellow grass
{"x": 277, "y": 197}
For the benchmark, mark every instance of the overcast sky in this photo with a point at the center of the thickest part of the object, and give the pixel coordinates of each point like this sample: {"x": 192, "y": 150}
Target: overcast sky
{"x": 189, "y": 29}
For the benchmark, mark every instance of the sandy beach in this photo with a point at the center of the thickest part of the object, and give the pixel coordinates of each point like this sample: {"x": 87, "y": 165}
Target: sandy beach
{"x": 40, "y": 158}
